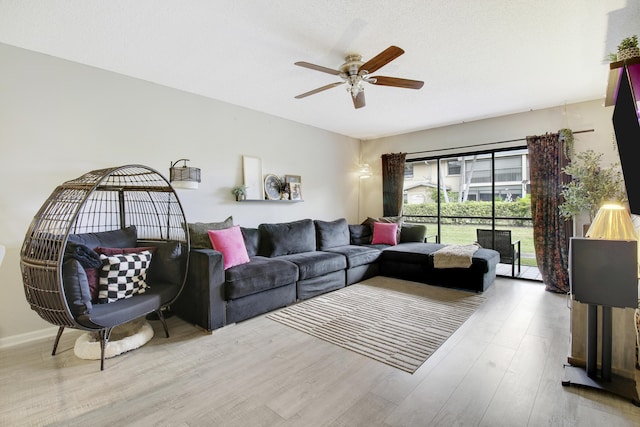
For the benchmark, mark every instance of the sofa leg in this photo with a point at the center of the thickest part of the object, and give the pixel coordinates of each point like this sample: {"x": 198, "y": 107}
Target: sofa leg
{"x": 55, "y": 343}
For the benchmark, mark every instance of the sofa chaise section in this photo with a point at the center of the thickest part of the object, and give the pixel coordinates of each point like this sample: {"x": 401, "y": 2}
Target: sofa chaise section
{"x": 414, "y": 261}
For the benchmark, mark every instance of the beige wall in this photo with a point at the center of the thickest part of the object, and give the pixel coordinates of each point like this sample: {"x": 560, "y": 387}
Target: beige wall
{"x": 59, "y": 119}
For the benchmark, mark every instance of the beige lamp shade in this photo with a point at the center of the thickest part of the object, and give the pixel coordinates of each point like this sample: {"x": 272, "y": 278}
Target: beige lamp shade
{"x": 612, "y": 222}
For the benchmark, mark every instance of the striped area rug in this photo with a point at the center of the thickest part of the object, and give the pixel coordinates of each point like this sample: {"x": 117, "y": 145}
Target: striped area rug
{"x": 393, "y": 321}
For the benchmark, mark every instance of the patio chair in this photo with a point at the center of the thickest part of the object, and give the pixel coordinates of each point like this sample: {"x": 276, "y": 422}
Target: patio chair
{"x": 500, "y": 240}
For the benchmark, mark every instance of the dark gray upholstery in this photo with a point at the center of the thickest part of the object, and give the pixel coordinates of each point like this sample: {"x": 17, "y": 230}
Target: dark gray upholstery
{"x": 76, "y": 287}
{"x": 316, "y": 263}
{"x": 301, "y": 259}
{"x": 287, "y": 238}
{"x": 413, "y": 233}
{"x": 360, "y": 234}
{"x": 122, "y": 238}
{"x": 250, "y": 236}
{"x": 320, "y": 284}
{"x": 357, "y": 255}
{"x": 414, "y": 261}
{"x": 258, "y": 275}
{"x": 330, "y": 234}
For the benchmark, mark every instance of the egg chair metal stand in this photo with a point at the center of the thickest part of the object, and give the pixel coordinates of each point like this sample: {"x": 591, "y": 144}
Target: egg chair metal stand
{"x": 98, "y": 209}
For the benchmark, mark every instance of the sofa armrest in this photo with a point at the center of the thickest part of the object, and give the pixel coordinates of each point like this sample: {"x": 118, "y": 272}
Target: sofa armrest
{"x": 202, "y": 299}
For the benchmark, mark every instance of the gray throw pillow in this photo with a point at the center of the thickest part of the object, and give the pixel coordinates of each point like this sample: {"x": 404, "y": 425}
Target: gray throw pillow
{"x": 331, "y": 234}
{"x": 200, "y": 237}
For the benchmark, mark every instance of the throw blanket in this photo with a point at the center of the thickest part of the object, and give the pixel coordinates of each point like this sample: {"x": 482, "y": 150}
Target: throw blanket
{"x": 454, "y": 256}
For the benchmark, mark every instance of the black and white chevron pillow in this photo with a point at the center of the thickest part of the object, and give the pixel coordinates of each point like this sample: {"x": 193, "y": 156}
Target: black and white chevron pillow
{"x": 123, "y": 276}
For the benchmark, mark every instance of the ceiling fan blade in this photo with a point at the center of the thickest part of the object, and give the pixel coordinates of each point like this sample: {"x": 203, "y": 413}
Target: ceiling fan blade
{"x": 382, "y": 59}
{"x": 396, "y": 82}
{"x": 317, "y": 67}
{"x": 320, "y": 89}
{"x": 358, "y": 101}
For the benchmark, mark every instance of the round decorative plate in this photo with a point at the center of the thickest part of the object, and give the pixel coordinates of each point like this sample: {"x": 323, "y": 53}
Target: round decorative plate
{"x": 272, "y": 186}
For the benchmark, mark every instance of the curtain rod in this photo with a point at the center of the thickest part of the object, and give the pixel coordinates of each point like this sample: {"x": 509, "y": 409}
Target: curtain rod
{"x": 487, "y": 143}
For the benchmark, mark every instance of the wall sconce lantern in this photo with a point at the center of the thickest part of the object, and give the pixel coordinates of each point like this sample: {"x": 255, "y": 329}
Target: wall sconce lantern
{"x": 184, "y": 176}
{"x": 364, "y": 171}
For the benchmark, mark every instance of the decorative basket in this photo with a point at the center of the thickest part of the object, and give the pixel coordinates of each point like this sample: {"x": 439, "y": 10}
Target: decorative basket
{"x": 630, "y": 52}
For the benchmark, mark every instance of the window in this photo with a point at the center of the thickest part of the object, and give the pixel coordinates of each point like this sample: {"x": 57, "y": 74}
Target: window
{"x": 453, "y": 167}
{"x": 408, "y": 170}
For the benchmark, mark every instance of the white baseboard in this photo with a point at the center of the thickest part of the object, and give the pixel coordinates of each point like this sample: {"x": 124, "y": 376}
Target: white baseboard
{"x": 28, "y": 337}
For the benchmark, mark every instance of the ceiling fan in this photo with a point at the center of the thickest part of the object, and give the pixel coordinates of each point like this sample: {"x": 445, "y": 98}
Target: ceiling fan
{"x": 354, "y": 72}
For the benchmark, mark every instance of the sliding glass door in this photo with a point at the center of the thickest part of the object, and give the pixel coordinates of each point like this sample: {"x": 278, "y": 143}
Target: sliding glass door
{"x": 456, "y": 195}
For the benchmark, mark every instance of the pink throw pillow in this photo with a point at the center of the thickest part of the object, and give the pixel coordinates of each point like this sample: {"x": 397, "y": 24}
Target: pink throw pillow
{"x": 384, "y": 233}
{"x": 231, "y": 243}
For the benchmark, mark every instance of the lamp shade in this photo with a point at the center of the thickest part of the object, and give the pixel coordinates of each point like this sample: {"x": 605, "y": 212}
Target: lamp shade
{"x": 364, "y": 170}
{"x": 184, "y": 176}
{"x": 612, "y": 222}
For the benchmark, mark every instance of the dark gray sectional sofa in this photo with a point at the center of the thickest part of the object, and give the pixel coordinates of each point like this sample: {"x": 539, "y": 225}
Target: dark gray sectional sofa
{"x": 298, "y": 260}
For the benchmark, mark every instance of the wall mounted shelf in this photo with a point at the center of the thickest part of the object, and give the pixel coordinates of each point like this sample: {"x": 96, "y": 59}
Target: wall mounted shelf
{"x": 269, "y": 201}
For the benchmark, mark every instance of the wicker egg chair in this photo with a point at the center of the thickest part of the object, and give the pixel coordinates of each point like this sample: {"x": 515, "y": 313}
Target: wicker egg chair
{"x": 131, "y": 197}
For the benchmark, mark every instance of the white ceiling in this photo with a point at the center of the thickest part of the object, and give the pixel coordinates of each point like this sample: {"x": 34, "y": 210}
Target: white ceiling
{"x": 478, "y": 59}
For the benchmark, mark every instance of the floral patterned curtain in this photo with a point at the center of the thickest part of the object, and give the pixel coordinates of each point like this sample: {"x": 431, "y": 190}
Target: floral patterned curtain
{"x": 392, "y": 183}
{"x": 546, "y": 160}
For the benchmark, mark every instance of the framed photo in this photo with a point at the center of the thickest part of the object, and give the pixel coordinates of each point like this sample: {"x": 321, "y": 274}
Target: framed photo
{"x": 294, "y": 182}
{"x": 296, "y": 190}
{"x": 252, "y": 169}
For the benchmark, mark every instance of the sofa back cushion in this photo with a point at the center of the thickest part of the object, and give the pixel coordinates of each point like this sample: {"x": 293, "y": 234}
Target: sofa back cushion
{"x": 413, "y": 233}
{"x": 251, "y": 238}
{"x": 331, "y": 234}
{"x": 360, "y": 234}
{"x": 198, "y": 232}
{"x": 287, "y": 238}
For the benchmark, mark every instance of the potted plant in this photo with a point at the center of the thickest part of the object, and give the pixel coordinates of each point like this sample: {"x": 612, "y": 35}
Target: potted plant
{"x": 591, "y": 185}
{"x": 240, "y": 191}
{"x": 628, "y": 48}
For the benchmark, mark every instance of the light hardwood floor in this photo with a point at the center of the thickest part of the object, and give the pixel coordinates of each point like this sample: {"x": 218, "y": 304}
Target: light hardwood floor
{"x": 503, "y": 367}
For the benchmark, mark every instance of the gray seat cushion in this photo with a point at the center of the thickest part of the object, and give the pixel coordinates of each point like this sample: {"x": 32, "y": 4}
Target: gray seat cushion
{"x": 259, "y": 274}
{"x": 357, "y": 255}
{"x": 316, "y": 263}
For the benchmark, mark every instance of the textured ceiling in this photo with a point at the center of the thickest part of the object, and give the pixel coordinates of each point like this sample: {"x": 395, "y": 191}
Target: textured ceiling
{"x": 478, "y": 59}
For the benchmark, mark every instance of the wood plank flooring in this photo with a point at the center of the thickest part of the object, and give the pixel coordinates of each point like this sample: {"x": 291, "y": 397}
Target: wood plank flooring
{"x": 503, "y": 367}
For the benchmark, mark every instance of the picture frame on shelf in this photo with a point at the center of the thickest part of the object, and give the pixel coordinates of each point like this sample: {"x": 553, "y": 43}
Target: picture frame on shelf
{"x": 296, "y": 191}
{"x": 294, "y": 183}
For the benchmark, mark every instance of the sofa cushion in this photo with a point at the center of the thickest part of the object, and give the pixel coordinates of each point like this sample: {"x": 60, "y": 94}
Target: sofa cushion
{"x": 411, "y": 253}
{"x": 413, "y": 233}
{"x": 168, "y": 264}
{"x": 259, "y": 274}
{"x": 360, "y": 234}
{"x": 251, "y": 238}
{"x": 330, "y": 234}
{"x": 287, "y": 238}
{"x": 317, "y": 263}
{"x": 198, "y": 232}
{"x": 231, "y": 243}
{"x": 357, "y": 255}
